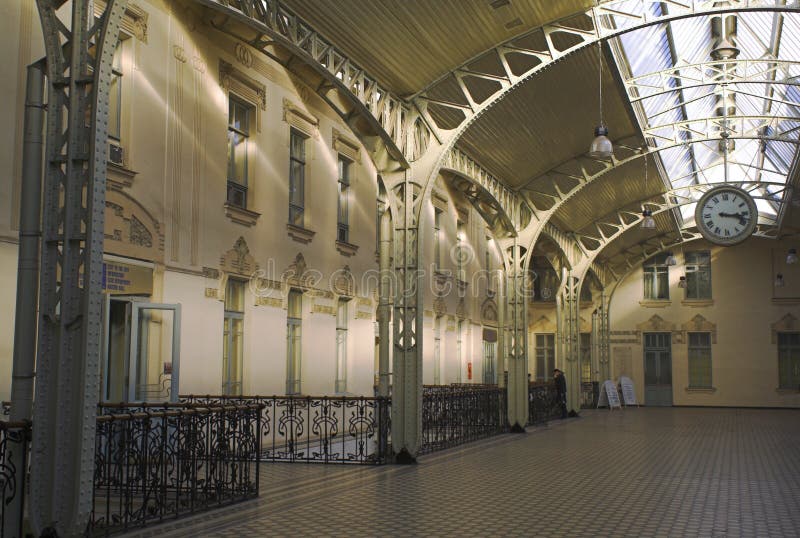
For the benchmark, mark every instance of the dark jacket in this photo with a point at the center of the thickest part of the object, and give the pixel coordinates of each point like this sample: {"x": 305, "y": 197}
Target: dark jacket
{"x": 561, "y": 384}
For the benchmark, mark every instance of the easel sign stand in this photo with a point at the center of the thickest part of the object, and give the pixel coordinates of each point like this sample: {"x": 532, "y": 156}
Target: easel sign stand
{"x": 628, "y": 394}
{"x": 609, "y": 396}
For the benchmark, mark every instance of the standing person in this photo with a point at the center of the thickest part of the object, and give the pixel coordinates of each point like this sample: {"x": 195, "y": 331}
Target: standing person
{"x": 561, "y": 391}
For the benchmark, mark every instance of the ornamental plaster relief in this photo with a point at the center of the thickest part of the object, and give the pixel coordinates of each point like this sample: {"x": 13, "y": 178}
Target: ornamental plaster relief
{"x": 130, "y": 230}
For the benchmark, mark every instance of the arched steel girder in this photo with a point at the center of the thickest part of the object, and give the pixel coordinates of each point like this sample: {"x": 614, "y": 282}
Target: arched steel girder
{"x": 387, "y": 126}
{"x": 711, "y": 73}
{"x": 613, "y": 225}
{"x": 502, "y": 209}
{"x": 558, "y": 39}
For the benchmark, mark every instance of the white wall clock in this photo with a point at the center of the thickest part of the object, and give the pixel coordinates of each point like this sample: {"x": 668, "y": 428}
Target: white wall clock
{"x": 726, "y": 215}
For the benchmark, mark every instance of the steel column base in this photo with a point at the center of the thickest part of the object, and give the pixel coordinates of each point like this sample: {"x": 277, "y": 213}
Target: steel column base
{"x": 405, "y": 458}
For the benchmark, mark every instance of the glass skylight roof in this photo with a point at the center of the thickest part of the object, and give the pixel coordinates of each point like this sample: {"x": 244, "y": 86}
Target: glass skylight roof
{"x": 677, "y": 90}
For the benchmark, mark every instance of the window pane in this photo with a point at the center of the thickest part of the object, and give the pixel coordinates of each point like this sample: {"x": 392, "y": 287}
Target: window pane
{"x": 115, "y": 105}
{"x": 234, "y": 295}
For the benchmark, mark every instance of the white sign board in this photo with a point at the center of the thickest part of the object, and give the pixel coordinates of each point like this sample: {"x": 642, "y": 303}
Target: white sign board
{"x": 609, "y": 396}
{"x": 628, "y": 394}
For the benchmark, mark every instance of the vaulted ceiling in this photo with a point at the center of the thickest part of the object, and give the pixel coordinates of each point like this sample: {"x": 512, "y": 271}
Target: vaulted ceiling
{"x": 662, "y": 91}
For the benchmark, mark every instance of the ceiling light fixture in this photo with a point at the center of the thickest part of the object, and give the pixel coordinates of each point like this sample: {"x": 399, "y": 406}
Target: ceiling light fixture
{"x": 601, "y": 147}
{"x": 779, "y": 282}
{"x": 648, "y": 222}
{"x": 791, "y": 256}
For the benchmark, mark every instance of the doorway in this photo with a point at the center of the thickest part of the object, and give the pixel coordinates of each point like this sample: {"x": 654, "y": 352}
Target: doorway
{"x": 658, "y": 369}
{"x": 141, "y": 351}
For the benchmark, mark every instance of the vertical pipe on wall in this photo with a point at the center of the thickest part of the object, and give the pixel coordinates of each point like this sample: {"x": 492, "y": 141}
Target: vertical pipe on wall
{"x": 30, "y": 233}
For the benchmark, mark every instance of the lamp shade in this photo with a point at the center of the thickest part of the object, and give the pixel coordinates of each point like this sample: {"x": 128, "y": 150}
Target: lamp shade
{"x": 682, "y": 282}
{"x": 671, "y": 260}
{"x": 601, "y": 147}
{"x": 791, "y": 256}
{"x": 648, "y": 222}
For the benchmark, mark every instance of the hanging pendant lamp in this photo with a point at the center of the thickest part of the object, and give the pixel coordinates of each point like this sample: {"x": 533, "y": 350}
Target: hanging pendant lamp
{"x": 601, "y": 147}
{"x": 791, "y": 256}
{"x": 648, "y": 222}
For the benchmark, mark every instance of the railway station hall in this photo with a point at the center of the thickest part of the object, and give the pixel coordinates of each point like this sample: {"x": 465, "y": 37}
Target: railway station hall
{"x": 402, "y": 268}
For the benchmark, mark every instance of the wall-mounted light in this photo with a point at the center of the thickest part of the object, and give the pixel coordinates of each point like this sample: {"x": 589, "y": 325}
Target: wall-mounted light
{"x": 682, "y": 282}
{"x": 791, "y": 256}
{"x": 779, "y": 282}
{"x": 671, "y": 259}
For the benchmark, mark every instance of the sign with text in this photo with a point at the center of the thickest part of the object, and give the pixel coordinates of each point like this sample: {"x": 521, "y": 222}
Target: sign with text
{"x": 126, "y": 279}
{"x": 628, "y": 394}
{"x": 609, "y": 396}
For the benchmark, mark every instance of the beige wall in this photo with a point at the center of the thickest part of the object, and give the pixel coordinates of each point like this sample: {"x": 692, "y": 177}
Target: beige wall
{"x": 745, "y": 306}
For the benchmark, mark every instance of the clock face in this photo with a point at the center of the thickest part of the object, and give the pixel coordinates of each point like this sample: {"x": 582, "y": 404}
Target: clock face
{"x": 726, "y": 215}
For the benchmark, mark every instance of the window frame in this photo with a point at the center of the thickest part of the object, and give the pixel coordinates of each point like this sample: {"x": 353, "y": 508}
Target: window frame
{"x": 237, "y": 191}
{"x": 342, "y": 324}
{"x": 694, "y": 353}
{"x": 232, "y": 315}
{"x": 297, "y": 206}
{"x": 790, "y": 381}
{"x": 294, "y": 342}
{"x": 546, "y": 354}
{"x": 692, "y": 268}
{"x": 343, "y": 199}
{"x": 658, "y": 268}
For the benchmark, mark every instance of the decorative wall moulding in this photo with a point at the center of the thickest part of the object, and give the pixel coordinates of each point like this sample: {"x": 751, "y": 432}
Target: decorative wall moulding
{"x": 697, "y": 303}
{"x": 233, "y": 80}
{"x": 346, "y": 249}
{"x": 134, "y": 22}
{"x": 118, "y": 177}
{"x": 301, "y": 235}
{"x": 300, "y": 119}
{"x": 439, "y": 199}
{"x": 701, "y": 390}
{"x": 212, "y": 293}
{"x": 655, "y": 303}
{"x": 238, "y": 260}
{"x": 130, "y": 229}
{"x": 240, "y": 215}
{"x": 274, "y": 302}
{"x": 699, "y": 324}
{"x": 345, "y": 145}
{"x": 788, "y": 323}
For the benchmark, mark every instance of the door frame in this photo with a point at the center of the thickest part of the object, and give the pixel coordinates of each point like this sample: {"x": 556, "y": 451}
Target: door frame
{"x": 668, "y": 349}
{"x": 136, "y": 307}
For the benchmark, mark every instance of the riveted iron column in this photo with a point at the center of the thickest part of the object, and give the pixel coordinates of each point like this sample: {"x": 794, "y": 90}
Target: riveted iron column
{"x": 70, "y": 320}
{"x": 517, "y": 335}
{"x": 406, "y": 196}
{"x": 572, "y": 341}
{"x": 384, "y": 303}
{"x": 605, "y": 351}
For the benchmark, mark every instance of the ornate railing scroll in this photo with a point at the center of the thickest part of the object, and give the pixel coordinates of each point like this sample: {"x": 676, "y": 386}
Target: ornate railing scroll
{"x": 13, "y": 480}
{"x": 543, "y": 404}
{"x": 153, "y": 465}
{"x": 318, "y": 429}
{"x": 456, "y": 414}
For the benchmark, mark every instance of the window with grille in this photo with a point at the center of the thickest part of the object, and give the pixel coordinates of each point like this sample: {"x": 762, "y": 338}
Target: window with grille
{"x": 343, "y": 222}
{"x": 698, "y": 275}
{"x": 239, "y": 115}
{"x": 700, "y": 360}
{"x": 789, "y": 360}
{"x": 545, "y": 356}
{"x": 656, "y": 278}
{"x": 297, "y": 178}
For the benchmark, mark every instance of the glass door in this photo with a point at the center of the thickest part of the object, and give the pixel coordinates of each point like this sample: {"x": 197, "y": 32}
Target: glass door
{"x": 154, "y": 357}
{"x": 657, "y": 369}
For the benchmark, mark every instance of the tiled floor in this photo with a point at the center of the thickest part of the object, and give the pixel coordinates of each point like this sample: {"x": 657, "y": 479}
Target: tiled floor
{"x": 637, "y": 472}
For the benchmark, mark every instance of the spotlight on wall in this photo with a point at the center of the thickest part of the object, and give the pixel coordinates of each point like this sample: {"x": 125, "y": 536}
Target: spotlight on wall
{"x": 779, "y": 282}
{"x": 791, "y": 256}
{"x": 671, "y": 259}
{"x": 648, "y": 222}
{"x": 682, "y": 282}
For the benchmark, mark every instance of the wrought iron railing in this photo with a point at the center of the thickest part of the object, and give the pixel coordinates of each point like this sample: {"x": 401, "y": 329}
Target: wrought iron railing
{"x": 157, "y": 464}
{"x": 543, "y": 404}
{"x": 456, "y": 414}
{"x": 318, "y": 429}
{"x": 14, "y": 437}
{"x": 590, "y": 391}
